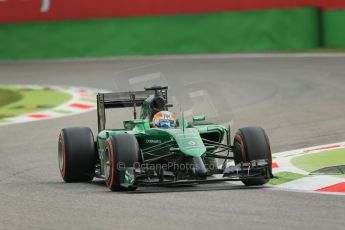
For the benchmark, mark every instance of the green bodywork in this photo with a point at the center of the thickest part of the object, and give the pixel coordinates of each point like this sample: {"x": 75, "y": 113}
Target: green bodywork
{"x": 186, "y": 139}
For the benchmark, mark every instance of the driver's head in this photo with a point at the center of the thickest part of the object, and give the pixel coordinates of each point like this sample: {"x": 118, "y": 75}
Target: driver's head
{"x": 164, "y": 119}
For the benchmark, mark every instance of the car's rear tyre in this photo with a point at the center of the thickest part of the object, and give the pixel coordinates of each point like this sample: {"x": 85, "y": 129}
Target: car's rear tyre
{"x": 251, "y": 143}
{"x": 122, "y": 150}
{"x": 77, "y": 154}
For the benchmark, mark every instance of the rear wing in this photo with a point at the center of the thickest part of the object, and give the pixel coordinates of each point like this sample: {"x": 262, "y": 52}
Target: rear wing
{"x": 125, "y": 100}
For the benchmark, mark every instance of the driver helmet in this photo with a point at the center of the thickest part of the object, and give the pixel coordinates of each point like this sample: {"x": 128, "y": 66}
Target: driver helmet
{"x": 164, "y": 119}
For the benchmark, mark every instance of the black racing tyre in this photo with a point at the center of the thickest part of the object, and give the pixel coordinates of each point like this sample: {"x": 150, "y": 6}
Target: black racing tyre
{"x": 122, "y": 150}
{"x": 251, "y": 143}
{"x": 77, "y": 154}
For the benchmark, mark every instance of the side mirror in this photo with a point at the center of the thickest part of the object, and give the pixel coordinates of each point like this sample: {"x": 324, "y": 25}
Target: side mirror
{"x": 199, "y": 118}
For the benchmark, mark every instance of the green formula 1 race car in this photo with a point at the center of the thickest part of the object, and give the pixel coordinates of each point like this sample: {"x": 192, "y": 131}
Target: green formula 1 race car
{"x": 140, "y": 155}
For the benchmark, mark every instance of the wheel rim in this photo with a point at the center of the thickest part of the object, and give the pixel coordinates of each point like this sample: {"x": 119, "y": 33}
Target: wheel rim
{"x": 107, "y": 165}
{"x": 61, "y": 156}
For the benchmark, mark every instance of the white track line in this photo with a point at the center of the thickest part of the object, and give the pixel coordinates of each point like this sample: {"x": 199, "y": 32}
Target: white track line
{"x": 312, "y": 183}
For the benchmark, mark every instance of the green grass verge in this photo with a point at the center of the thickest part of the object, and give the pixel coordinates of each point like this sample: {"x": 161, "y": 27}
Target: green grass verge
{"x": 312, "y": 162}
{"x": 20, "y": 101}
{"x": 8, "y": 96}
{"x": 284, "y": 177}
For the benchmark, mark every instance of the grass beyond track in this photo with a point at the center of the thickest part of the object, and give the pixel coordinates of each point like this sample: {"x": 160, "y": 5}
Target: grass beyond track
{"x": 284, "y": 177}
{"x": 16, "y": 101}
{"x": 312, "y": 162}
{"x": 8, "y": 96}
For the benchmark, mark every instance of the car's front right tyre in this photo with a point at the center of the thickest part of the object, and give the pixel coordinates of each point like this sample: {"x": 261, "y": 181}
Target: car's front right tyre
{"x": 121, "y": 151}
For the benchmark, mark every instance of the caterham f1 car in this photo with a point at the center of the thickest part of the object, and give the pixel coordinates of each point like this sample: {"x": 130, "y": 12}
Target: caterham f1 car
{"x": 140, "y": 154}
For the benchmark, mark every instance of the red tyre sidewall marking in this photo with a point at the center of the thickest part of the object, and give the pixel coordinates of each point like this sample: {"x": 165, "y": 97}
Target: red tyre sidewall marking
{"x": 239, "y": 139}
{"x": 270, "y": 149}
{"x": 63, "y": 172}
{"x": 110, "y": 184}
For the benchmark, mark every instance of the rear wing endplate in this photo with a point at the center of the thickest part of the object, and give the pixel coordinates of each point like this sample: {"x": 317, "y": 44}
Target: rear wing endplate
{"x": 124, "y": 100}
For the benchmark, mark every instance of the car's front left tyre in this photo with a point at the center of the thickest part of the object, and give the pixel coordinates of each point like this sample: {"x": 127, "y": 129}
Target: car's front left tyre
{"x": 252, "y": 143}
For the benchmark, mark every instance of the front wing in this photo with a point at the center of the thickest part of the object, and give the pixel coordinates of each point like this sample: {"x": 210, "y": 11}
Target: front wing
{"x": 251, "y": 170}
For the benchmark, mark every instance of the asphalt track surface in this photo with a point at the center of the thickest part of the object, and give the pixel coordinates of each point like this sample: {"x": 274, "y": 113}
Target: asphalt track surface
{"x": 298, "y": 100}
